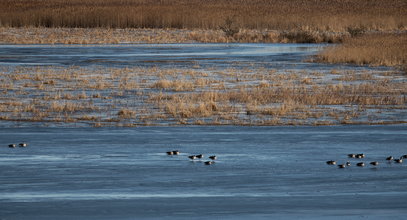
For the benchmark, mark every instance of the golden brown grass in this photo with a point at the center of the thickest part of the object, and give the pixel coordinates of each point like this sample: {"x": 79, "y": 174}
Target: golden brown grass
{"x": 372, "y": 49}
{"x": 30, "y": 35}
{"x": 126, "y": 113}
{"x": 157, "y": 96}
{"x": 181, "y": 21}
{"x": 174, "y": 85}
{"x": 329, "y": 15}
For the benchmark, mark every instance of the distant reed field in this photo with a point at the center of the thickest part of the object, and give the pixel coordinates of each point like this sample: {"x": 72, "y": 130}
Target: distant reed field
{"x": 33, "y": 35}
{"x": 326, "y": 15}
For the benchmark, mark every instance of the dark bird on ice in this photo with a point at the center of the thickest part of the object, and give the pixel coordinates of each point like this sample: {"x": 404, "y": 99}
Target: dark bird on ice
{"x": 175, "y": 152}
{"x": 213, "y": 157}
{"x": 361, "y": 164}
{"x": 331, "y": 162}
{"x": 170, "y": 153}
{"x": 374, "y": 163}
{"x": 209, "y": 162}
{"x": 360, "y": 156}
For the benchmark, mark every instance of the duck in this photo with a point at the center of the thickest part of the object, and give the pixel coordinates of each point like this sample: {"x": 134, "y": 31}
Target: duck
{"x": 199, "y": 156}
{"x": 399, "y": 160}
{"x": 209, "y": 162}
{"x": 361, "y": 164}
{"x": 374, "y": 163}
{"x": 331, "y": 162}
{"x": 359, "y": 156}
{"x": 192, "y": 157}
{"x": 170, "y": 152}
{"x": 12, "y": 145}
{"x": 23, "y": 144}
{"x": 347, "y": 163}
{"x": 175, "y": 152}
{"x": 341, "y": 166}
{"x": 351, "y": 155}
{"x": 404, "y": 156}
{"x": 389, "y": 158}
{"x": 213, "y": 157}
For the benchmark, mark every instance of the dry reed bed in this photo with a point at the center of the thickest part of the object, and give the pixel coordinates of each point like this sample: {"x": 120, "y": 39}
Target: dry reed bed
{"x": 153, "y": 96}
{"x": 329, "y": 15}
{"x": 32, "y": 35}
{"x": 176, "y": 21}
{"x": 373, "y": 49}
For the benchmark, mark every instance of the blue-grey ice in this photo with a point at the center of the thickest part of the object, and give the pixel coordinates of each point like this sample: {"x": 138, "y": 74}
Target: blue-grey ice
{"x": 260, "y": 173}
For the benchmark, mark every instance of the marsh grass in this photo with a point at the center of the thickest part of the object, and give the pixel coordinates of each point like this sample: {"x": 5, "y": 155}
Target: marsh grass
{"x": 370, "y": 49}
{"x": 332, "y": 15}
{"x": 183, "y": 21}
{"x": 174, "y": 85}
{"x": 154, "y": 96}
{"x": 32, "y": 35}
{"x": 126, "y": 113}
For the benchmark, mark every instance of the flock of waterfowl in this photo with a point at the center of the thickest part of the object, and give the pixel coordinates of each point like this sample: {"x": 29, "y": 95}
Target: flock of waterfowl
{"x": 23, "y": 144}
{"x": 362, "y": 164}
{"x": 194, "y": 157}
{"x": 389, "y": 159}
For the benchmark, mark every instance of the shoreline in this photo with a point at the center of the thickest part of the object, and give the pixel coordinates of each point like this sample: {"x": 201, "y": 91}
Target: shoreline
{"x": 31, "y": 35}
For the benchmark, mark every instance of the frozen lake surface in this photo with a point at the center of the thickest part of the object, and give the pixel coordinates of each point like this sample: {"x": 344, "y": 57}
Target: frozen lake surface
{"x": 281, "y": 56}
{"x": 261, "y": 172}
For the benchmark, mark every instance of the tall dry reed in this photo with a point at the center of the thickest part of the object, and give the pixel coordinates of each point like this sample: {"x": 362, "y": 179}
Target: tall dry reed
{"x": 331, "y": 15}
{"x": 372, "y": 49}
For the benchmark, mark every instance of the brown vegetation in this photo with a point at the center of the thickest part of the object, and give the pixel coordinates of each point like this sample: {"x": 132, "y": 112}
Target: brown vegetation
{"x": 154, "y": 96}
{"x": 372, "y": 49}
{"x": 32, "y": 35}
{"x": 183, "y": 21}
{"x": 331, "y": 15}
